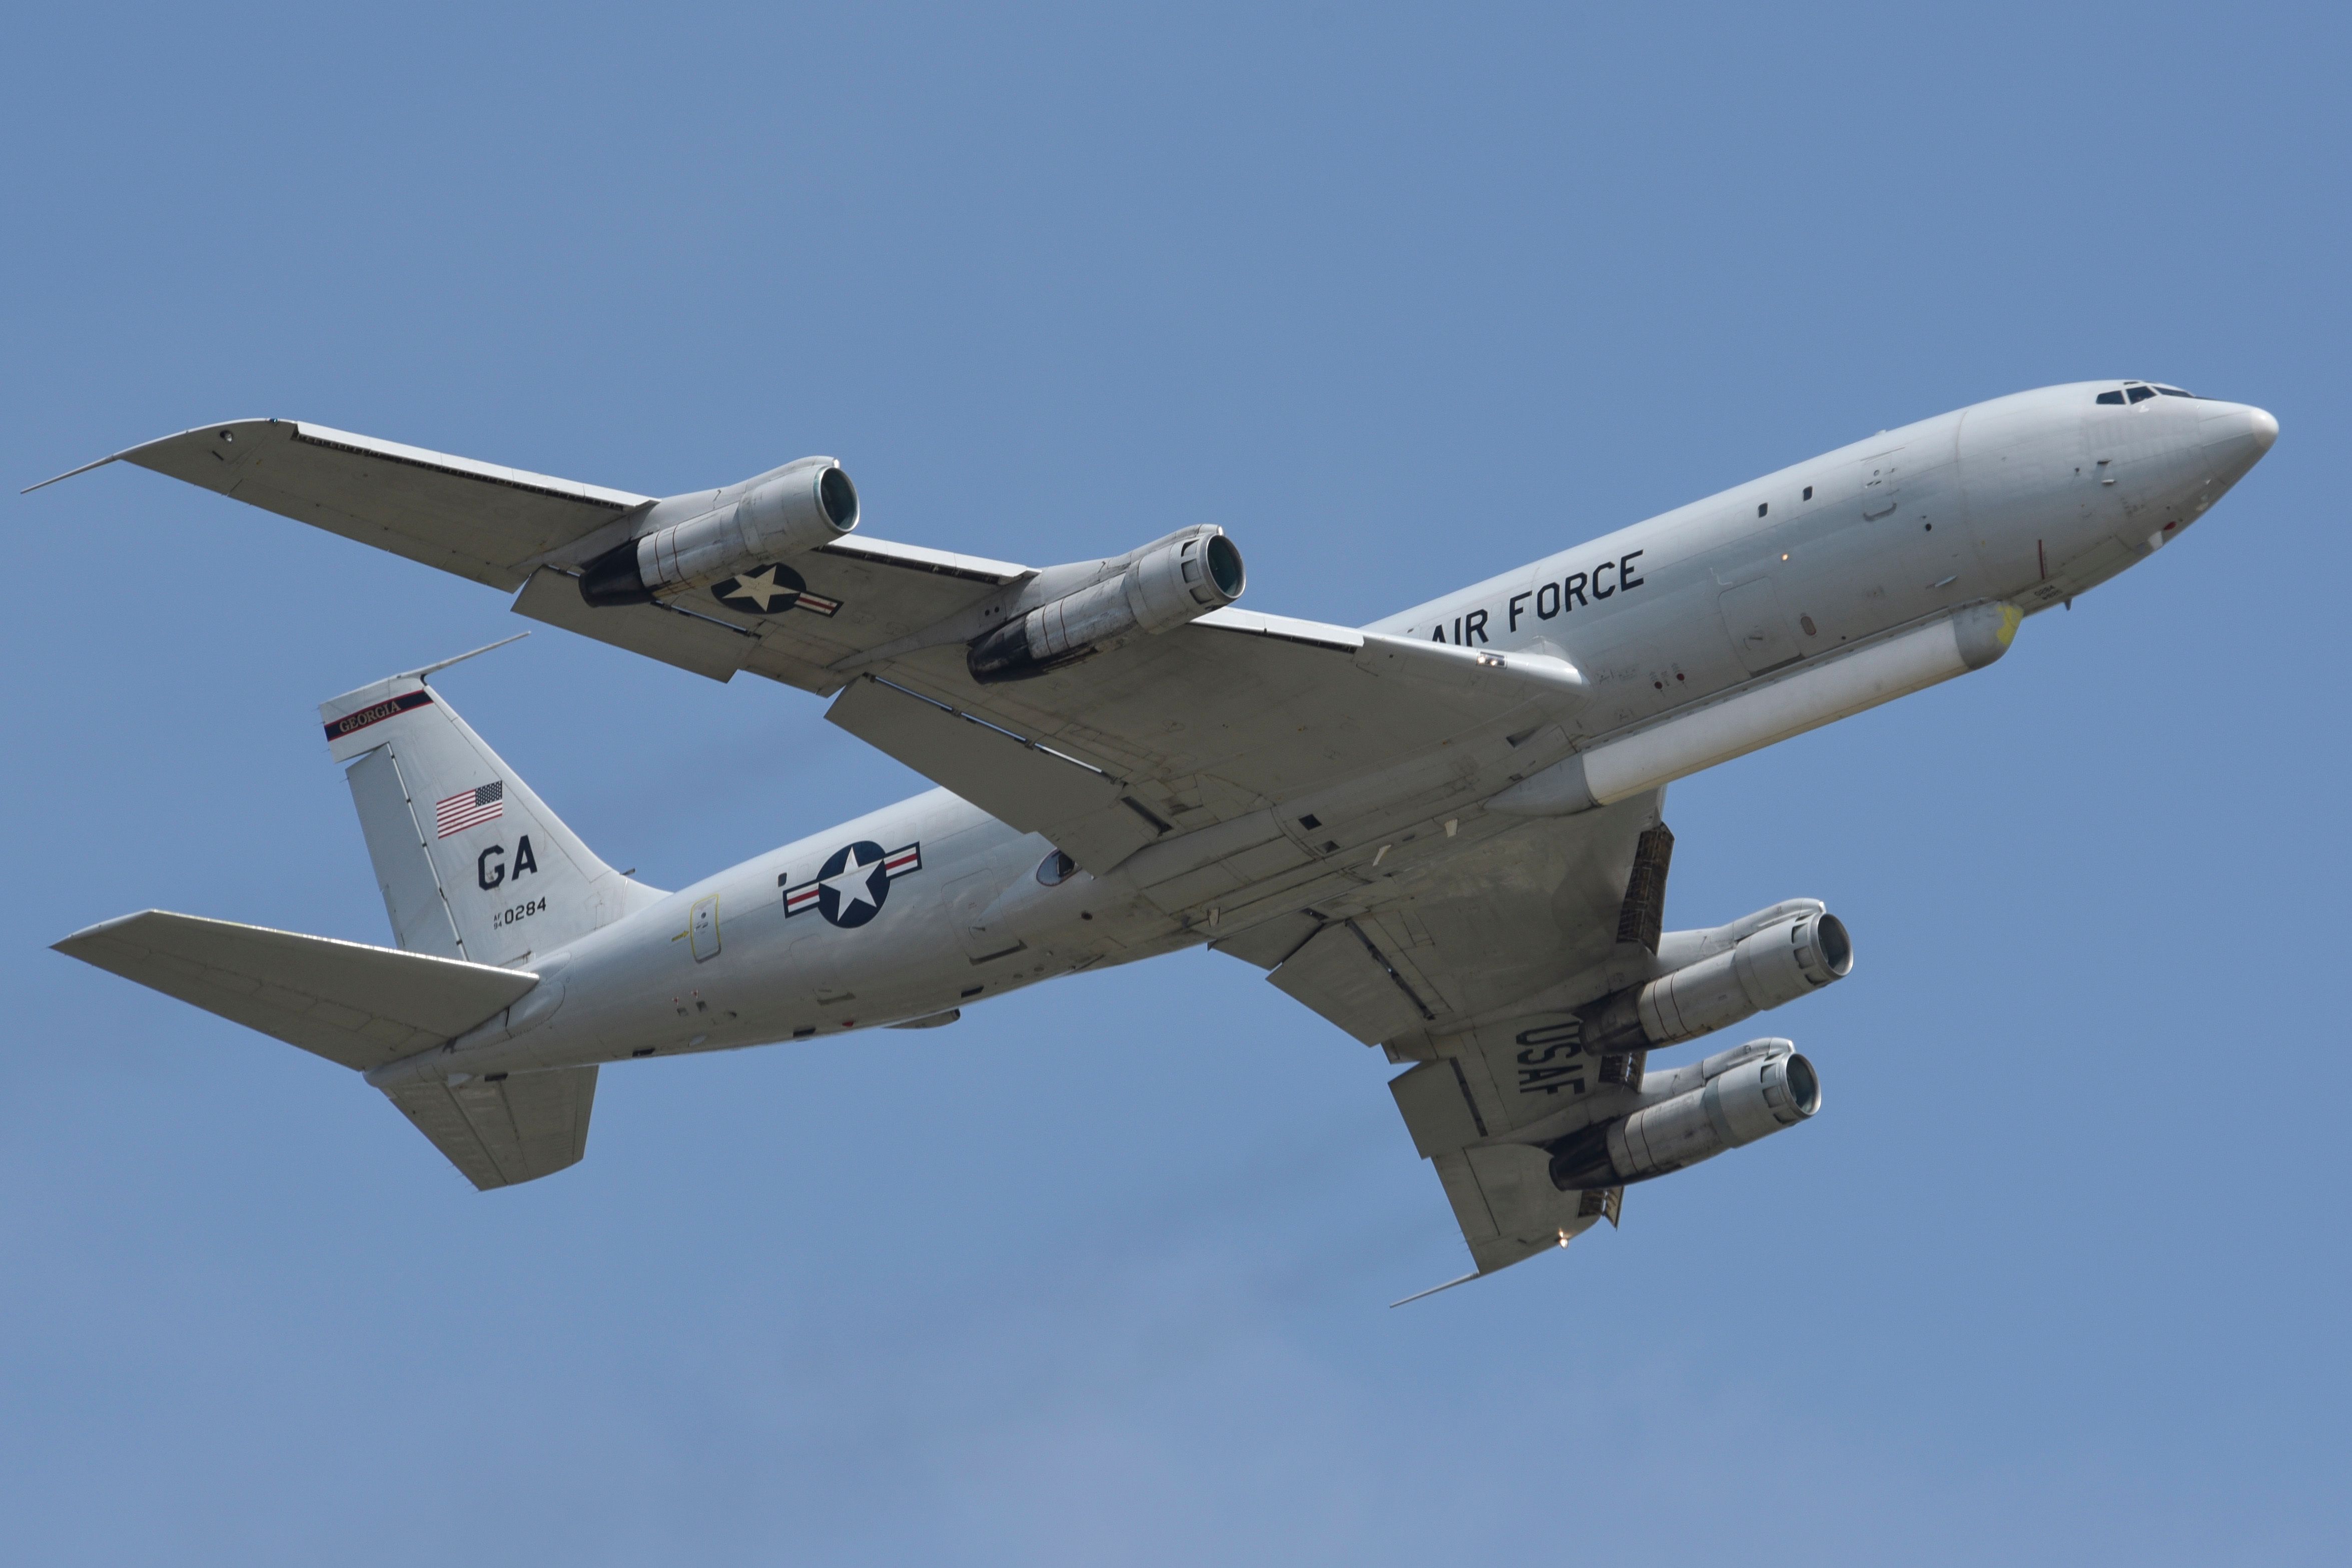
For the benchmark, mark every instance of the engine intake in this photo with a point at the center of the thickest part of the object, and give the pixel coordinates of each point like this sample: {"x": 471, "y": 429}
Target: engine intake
{"x": 1175, "y": 580}
{"x": 792, "y": 512}
{"x": 1786, "y": 959}
{"x": 1754, "y": 1098}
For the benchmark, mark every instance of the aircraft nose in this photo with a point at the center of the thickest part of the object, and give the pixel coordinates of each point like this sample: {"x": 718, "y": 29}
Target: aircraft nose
{"x": 2266, "y": 427}
{"x": 2238, "y": 434}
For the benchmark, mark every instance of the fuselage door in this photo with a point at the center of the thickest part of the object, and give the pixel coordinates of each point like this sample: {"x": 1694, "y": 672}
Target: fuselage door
{"x": 1758, "y": 628}
{"x": 705, "y": 927}
{"x": 1882, "y": 483}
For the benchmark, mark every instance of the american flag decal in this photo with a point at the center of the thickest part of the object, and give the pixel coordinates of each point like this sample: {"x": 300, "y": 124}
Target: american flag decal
{"x": 470, "y": 808}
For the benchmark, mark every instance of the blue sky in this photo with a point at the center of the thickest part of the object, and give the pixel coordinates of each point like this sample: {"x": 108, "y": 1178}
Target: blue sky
{"x": 1100, "y": 1275}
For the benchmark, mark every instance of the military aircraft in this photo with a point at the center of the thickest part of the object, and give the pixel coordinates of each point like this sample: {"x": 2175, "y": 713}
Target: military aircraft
{"x": 1441, "y": 831}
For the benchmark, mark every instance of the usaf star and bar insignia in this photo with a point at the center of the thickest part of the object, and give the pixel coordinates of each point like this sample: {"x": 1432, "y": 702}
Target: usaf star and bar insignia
{"x": 850, "y": 887}
{"x": 770, "y": 590}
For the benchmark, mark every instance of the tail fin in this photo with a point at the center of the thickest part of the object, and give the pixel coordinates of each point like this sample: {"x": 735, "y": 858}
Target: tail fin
{"x": 472, "y": 863}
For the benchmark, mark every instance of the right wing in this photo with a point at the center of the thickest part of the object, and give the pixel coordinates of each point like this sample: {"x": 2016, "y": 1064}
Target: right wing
{"x": 478, "y": 519}
{"x": 511, "y": 528}
{"x": 1269, "y": 748}
{"x": 1276, "y": 731}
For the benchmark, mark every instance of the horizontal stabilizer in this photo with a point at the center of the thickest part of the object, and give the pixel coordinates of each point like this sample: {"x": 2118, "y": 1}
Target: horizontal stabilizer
{"x": 501, "y": 1131}
{"x": 355, "y": 1004}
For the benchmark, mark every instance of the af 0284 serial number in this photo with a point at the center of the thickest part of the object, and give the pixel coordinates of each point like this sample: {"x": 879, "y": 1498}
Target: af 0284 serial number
{"x": 518, "y": 912}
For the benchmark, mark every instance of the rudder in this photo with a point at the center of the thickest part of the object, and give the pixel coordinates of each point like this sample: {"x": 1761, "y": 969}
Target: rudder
{"x": 471, "y": 862}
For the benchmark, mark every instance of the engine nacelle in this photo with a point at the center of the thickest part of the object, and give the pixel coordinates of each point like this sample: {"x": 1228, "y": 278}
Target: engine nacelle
{"x": 792, "y": 512}
{"x": 1788, "y": 959}
{"x": 1754, "y": 1098}
{"x": 1177, "y": 579}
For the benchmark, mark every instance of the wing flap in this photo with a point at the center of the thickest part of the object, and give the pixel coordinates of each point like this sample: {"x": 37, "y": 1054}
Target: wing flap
{"x": 863, "y": 593}
{"x": 705, "y": 645}
{"x": 354, "y": 1005}
{"x": 1472, "y": 970}
{"x": 1343, "y": 974}
{"x": 1084, "y": 811}
{"x": 1218, "y": 718}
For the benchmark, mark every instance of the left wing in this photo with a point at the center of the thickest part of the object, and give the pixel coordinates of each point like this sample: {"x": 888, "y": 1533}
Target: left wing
{"x": 1471, "y": 969}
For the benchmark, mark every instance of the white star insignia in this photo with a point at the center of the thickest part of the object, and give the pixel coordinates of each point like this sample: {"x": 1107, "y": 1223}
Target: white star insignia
{"x": 850, "y": 885}
{"x": 765, "y": 593}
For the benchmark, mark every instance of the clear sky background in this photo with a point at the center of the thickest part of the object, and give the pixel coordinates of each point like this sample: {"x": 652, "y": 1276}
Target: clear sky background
{"x": 1100, "y": 1275}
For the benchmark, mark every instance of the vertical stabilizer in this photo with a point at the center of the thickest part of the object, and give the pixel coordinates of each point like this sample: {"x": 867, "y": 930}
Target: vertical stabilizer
{"x": 473, "y": 864}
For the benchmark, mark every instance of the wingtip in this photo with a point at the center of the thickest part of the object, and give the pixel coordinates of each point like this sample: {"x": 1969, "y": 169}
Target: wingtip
{"x": 1433, "y": 1289}
{"x": 144, "y": 446}
{"x": 69, "y": 473}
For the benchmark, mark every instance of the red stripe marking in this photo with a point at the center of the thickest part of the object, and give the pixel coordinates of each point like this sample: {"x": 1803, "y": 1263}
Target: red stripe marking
{"x": 376, "y": 714}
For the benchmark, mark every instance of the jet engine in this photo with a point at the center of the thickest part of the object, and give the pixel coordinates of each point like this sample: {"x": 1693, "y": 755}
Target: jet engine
{"x": 1784, "y": 961}
{"x": 1166, "y": 584}
{"x": 789, "y": 512}
{"x": 1752, "y": 1098}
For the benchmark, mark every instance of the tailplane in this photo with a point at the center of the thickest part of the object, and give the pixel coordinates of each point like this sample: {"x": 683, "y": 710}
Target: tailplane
{"x": 364, "y": 1007}
{"x": 472, "y": 863}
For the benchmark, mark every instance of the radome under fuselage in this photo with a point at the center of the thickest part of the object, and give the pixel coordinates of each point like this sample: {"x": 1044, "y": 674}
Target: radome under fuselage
{"x": 2028, "y": 500}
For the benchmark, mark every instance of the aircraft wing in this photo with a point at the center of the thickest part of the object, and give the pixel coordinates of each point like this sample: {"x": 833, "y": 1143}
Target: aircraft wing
{"x": 1223, "y": 719}
{"x": 1269, "y": 728}
{"x": 478, "y": 520}
{"x": 1470, "y": 968}
{"x": 511, "y": 528}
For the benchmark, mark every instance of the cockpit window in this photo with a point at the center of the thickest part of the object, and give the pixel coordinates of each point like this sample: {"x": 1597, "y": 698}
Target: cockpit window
{"x": 2174, "y": 392}
{"x": 2114, "y": 397}
{"x": 2140, "y": 393}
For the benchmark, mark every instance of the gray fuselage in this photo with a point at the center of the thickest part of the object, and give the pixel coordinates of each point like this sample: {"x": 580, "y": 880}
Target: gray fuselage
{"x": 2029, "y": 500}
